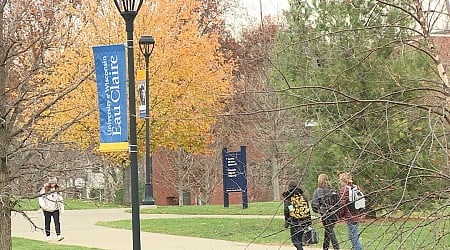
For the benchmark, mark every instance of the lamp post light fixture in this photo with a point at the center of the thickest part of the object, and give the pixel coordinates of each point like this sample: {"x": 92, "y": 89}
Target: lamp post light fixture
{"x": 146, "y": 45}
{"x": 128, "y": 10}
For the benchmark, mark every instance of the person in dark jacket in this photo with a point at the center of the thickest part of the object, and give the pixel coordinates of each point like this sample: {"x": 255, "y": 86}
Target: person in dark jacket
{"x": 297, "y": 225}
{"x": 351, "y": 218}
{"x": 328, "y": 212}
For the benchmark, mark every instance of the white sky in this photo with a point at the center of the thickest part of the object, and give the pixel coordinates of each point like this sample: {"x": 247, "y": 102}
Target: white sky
{"x": 273, "y": 7}
{"x": 248, "y": 13}
{"x": 269, "y": 7}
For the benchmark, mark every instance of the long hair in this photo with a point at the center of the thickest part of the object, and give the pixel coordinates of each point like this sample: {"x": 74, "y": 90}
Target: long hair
{"x": 345, "y": 178}
{"x": 323, "y": 181}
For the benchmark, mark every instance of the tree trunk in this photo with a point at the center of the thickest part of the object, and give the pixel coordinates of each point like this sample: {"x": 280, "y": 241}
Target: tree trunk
{"x": 5, "y": 209}
{"x": 275, "y": 182}
{"x": 126, "y": 186}
{"x": 180, "y": 191}
{"x": 5, "y": 221}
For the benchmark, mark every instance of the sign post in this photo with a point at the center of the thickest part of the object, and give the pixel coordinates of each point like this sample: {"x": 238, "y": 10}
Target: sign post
{"x": 234, "y": 175}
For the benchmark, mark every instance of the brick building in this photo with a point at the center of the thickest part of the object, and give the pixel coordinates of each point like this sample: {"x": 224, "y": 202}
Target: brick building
{"x": 442, "y": 42}
{"x": 165, "y": 191}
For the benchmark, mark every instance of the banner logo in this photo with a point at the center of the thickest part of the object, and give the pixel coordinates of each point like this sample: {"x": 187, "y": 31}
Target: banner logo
{"x": 110, "y": 71}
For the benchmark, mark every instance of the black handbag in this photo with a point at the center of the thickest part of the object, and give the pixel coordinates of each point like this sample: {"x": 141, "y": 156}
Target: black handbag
{"x": 310, "y": 236}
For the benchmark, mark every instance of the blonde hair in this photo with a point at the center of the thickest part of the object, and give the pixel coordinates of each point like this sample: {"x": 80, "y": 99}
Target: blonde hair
{"x": 323, "y": 181}
{"x": 345, "y": 178}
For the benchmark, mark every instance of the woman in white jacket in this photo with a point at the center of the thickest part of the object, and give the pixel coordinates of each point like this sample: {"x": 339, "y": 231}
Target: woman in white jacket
{"x": 51, "y": 202}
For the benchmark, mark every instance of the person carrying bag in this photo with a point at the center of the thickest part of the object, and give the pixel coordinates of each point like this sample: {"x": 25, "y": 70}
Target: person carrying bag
{"x": 326, "y": 202}
{"x": 297, "y": 215}
{"x": 51, "y": 203}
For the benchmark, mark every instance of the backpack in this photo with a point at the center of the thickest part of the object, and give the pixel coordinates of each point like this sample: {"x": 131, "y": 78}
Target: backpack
{"x": 300, "y": 208}
{"x": 357, "y": 201}
{"x": 310, "y": 236}
{"x": 330, "y": 201}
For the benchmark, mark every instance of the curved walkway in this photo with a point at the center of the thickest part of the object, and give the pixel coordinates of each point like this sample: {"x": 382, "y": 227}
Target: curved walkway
{"x": 78, "y": 228}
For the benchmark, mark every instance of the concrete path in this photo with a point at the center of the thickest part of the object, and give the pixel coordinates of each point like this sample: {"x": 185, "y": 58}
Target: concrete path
{"x": 78, "y": 228}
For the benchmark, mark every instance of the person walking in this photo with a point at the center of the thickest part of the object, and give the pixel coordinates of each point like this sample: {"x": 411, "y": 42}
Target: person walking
{"x": 296, "y": 213}
{"x": 326, "y": 203}
{"x": 51, "y": 203}
{"x": 351, "y": 217}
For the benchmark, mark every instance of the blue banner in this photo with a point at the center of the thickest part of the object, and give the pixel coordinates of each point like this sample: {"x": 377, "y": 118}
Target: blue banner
{"x": 110, "y": 71}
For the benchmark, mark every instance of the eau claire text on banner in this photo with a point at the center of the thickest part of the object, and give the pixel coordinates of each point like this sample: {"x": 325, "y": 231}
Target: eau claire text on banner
{"x": 110, "y": 71}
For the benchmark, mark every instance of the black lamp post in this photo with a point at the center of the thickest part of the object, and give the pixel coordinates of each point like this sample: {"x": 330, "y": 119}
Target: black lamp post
{"x": 146, "y": 44}
{"x": 128, "y": 10}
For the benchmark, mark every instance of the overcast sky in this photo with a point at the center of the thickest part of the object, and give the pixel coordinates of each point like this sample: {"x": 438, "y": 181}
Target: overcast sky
{"x": 248, "y": 13}
{"x": 269, "y": 7}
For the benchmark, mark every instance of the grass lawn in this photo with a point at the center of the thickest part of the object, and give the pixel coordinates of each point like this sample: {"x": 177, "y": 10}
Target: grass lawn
{"x": 241, "y": 230}
{"x": 413, "y": 234}
{"x": 418, "y": 234}
{"x": 70, "y": 204}
{"x": 378, "y": 235}
{"x": 259, "y": 208}
{"x": 26, "y": 244}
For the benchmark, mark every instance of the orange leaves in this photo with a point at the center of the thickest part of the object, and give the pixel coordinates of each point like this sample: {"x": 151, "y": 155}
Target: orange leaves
{"x": 189, "y": 76}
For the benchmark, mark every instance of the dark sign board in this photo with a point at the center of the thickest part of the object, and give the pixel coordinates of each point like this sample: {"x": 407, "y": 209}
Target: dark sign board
{"x": 235, "y": 173}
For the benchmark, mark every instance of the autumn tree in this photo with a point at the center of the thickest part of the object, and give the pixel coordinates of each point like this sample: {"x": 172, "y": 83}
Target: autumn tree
{"x": 189, "y": 78}
{"x": 48, "y": 91}
{"x": 33, "y": 37}
{"x": 191, "y": 82}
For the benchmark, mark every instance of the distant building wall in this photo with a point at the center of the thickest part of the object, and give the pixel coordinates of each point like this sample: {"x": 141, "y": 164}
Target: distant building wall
{"x": 165, "y": 192}
{"x": 442, "y": 42}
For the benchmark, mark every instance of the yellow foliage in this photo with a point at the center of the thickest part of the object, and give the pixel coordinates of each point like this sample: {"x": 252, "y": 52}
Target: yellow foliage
{"x": 189, "y": 76}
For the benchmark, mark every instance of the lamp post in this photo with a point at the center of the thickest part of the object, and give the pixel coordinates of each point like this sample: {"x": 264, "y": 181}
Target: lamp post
{"x": 146, "y": 45}
{"x": 128, "y": 10}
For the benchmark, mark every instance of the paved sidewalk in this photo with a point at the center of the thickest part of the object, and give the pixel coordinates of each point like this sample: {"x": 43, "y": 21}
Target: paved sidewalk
{"x": 78, "y": 228}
